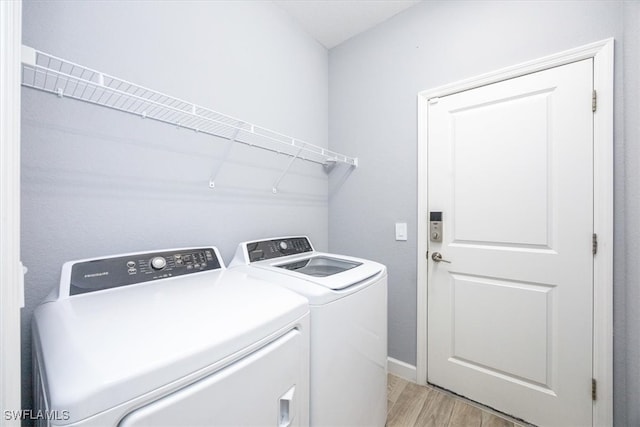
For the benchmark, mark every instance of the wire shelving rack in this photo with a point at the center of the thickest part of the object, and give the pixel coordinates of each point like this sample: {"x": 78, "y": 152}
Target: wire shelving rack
{"x": 49, "y": 73}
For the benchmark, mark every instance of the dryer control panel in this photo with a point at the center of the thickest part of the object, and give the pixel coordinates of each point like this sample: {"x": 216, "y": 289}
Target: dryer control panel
{"x": 105, "y": 273}
{"x": 275, "y": 248}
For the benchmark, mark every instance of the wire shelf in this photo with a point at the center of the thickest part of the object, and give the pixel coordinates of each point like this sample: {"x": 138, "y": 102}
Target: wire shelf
{"x": 51, "y": 74}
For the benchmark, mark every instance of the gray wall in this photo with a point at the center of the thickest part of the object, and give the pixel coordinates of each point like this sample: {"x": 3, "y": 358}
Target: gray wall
{"x": 374, "y": 80}
{"x": 97, "y": 181}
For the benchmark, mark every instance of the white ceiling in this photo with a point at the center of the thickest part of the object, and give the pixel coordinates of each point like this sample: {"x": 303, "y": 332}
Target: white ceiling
{"x": 333, "y": 21}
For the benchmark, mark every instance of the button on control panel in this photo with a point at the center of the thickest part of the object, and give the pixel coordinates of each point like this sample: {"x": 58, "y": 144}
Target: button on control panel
{"x": 99, "y": 274}
{"x": 158, "y": 263}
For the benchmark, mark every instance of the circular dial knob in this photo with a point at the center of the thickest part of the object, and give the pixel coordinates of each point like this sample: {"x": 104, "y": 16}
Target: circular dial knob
{"x": 158, "y": 263}
{"x": 283, "y": 245}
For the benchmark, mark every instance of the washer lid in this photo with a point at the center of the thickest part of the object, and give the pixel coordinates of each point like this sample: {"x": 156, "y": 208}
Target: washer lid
{"x": 99, "y": 350}
{"x": 320, "y": 266}
{"x": 335, "y": 272}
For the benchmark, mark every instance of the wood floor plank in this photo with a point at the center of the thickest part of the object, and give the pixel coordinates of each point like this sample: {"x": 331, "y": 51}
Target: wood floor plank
{"x": 395, "y": 385}
{"x": 412, "y": 405}
{"x": 490, "y": 420}
{"x": 437, "y": 410}
{"x": 465, "y": 415}
{"x": 407, "y": 407}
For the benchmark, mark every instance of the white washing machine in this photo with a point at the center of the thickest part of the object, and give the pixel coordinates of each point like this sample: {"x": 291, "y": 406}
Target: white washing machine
{"x": 170, "y": 338}
{"x": 348, "y": 300}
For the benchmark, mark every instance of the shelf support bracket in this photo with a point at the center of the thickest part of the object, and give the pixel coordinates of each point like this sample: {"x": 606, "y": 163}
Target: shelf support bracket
{"x": 274, "y": 189}
{"x": 329, "y": 164}
{"x": 216, "y": 171}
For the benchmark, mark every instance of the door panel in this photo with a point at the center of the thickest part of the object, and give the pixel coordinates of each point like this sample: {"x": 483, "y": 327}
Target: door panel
{"x": 478, "y": 130}
{"x": 510, "y": 166}
{"x": 523, "y": 307}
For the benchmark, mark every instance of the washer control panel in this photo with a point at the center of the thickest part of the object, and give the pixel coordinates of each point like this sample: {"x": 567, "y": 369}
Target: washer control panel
{"x": 275, "y": 248}
{"x": 106, "y": 273}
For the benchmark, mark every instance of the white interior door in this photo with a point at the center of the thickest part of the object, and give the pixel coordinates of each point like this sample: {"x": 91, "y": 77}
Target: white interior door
{"x": 510, "y": 166}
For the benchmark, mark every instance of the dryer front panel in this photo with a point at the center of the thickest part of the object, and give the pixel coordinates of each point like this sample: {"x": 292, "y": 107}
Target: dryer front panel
{"x": 267, "y": 387}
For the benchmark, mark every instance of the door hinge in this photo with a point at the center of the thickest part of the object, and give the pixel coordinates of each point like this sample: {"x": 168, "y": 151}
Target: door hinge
{"x": 594, "y": 101}
{"x": 593, "y": 389}
{"x": 594, "y": 244}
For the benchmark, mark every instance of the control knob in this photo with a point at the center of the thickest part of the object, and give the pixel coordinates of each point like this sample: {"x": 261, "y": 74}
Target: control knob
{"x": 158, "y": 263}
{"x": 283, "y": 245}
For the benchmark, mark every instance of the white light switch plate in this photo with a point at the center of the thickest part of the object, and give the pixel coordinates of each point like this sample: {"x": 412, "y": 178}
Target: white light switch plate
{"x": 401, "y": 231}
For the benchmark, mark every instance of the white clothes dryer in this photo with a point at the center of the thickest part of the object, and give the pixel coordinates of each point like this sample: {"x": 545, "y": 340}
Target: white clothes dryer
{"x": 348, "y": 301}
{"x": 170, "y": 338}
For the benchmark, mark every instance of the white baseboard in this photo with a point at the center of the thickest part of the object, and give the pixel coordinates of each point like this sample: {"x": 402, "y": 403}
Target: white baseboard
{"x": 401, "y": 369}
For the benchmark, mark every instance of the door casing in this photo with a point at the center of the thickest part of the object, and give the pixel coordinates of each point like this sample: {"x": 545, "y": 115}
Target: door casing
{"x": 11, "y": 274}
{"x": 602, "y": 53}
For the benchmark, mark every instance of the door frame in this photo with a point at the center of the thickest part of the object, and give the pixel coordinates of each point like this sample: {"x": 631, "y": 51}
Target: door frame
{"x": 602, "y": 53}
{"x": 11, "y": 273}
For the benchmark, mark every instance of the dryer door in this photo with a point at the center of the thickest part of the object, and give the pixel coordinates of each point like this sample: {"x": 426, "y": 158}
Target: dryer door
{"x": 267, "y": 387}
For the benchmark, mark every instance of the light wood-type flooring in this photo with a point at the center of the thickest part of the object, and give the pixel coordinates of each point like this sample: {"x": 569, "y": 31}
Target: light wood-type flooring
{"x": 409, "y": 405}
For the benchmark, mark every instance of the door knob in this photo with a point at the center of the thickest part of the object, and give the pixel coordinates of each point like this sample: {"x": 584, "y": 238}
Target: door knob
{"x": 437, "y": 257}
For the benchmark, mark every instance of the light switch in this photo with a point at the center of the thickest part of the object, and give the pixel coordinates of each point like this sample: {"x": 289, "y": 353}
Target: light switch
{"x": 401, "y": 231}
